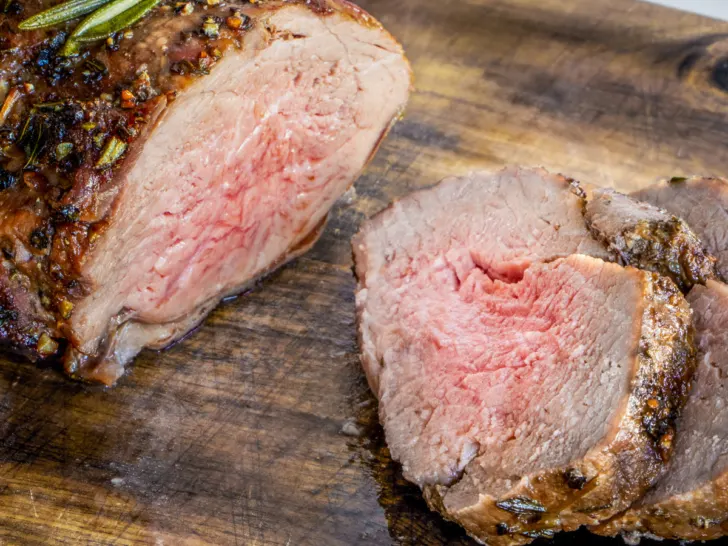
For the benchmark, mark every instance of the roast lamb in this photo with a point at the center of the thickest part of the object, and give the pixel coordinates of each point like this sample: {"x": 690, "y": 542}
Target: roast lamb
{"x": 691, "y": 501}
{"x": 155, "y": 172}
{"x": 703, "y": 204}
{"x": 650, "y": 238}
{"x": 527, "y": 385}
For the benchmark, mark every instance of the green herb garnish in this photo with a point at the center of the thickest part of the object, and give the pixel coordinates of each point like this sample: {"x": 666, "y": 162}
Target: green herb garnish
{"x": 61, "y": 13}
{"x": 107, "y": 17}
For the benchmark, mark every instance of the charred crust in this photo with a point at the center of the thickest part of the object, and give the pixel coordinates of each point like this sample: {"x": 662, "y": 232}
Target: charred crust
{"x": 668, "y": 247}
{"x": 39, "y": 239}
{"x": 663, "y": 384}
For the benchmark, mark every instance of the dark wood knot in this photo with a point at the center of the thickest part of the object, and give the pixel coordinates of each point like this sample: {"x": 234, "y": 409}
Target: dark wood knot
{"x": 720, "y": 74}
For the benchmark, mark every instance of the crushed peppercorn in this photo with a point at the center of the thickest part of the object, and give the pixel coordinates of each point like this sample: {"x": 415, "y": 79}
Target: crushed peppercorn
{"x": 39, "y": 240}
{"x": 7, "y": 179}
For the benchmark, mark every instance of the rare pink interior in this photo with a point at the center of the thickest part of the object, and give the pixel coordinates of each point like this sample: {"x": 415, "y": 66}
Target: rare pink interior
{"x": 500, "y": 370}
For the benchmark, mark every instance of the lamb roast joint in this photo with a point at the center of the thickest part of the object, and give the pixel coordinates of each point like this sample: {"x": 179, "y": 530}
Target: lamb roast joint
{"x": 161, "y": 166}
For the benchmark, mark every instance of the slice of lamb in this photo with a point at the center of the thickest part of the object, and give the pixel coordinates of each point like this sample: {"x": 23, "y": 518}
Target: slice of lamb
{"x": 177, "y": 166}
{"x": 691, "y": 501}
{"x": 524, "y": 394}
{"x": 703, "y": 204}
{"x": 648, "y": 237}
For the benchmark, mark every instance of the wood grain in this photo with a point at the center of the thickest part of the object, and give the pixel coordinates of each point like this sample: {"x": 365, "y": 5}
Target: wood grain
{"x": 259, "y": 428}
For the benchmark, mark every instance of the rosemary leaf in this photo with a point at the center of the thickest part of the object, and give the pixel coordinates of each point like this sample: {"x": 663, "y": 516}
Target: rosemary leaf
{"x": 61, "y": 13}
{"x": 70, "y": 48}
{"x": 111, "y": 153}
{"x": 113, "y": 17}
{"x": 36, "y": 136}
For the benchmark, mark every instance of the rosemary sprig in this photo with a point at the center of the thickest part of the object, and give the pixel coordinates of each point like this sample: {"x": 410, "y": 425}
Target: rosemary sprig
{"x": 61, "y": 13}
{"x": 106, "y": 18}
{"x": 112, "y": 18}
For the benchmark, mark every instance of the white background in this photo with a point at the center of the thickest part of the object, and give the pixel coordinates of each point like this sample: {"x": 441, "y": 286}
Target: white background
{"x": 712, "y": 8}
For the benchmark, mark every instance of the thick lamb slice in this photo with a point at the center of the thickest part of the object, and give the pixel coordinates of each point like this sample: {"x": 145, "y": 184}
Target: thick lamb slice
{"x": 691, "y": 501}
{"x": 703, "y": 204}
{"x": 524, "y": 392}
{"x": 648, "y": 237}
{"x": 229, "y": 174}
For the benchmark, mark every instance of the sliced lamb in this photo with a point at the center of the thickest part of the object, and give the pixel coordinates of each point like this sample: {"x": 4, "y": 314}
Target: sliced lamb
{"x": 525, "y": 389}
{"x": 703, "y": 204}
{"x": 691, "y": 501}
{"x": 648, "y": 237}
{"x": 159, "y": 171}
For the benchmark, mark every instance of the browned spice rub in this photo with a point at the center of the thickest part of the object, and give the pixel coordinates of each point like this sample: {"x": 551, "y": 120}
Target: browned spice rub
{"x": 650, "y": 238}
{"x": 690, "y": 502}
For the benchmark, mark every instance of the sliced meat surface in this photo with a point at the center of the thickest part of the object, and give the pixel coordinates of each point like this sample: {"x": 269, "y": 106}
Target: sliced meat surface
{"x": 691, "y": 501}
{"x": 525, "y": 389}
{"x": 650, "y": 238}
{"x": 703, "y": 204}
{"x": 176, "y": 166}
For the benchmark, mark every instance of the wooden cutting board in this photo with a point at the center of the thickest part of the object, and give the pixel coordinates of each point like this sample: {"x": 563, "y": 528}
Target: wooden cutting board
{"x": 259, "y": 429}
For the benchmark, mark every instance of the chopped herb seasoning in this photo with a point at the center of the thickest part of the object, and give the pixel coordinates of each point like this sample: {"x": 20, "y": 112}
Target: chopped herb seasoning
{"x": 33, "y": 138}
{"x": 63, "y": 149}
{"x": 539, "y": 533}
{"x": 211, "y": 28}
{"x": 112, "y": 152}
{"x": 66, "y": 309}
{"x": 46, "y": 345}
{"x": 521, "y": 505}
{"x": 99, "y": 140}
{"x": 184, "y": 8}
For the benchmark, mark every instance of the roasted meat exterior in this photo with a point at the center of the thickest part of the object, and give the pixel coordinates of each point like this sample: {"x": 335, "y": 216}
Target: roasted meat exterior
{"x": 691, "y": 501}
{"x": 650, "y": 238}
{"x": 171, "y": 165}
{"x": 524, "y": 383}
{"x": 703, "y": 204}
